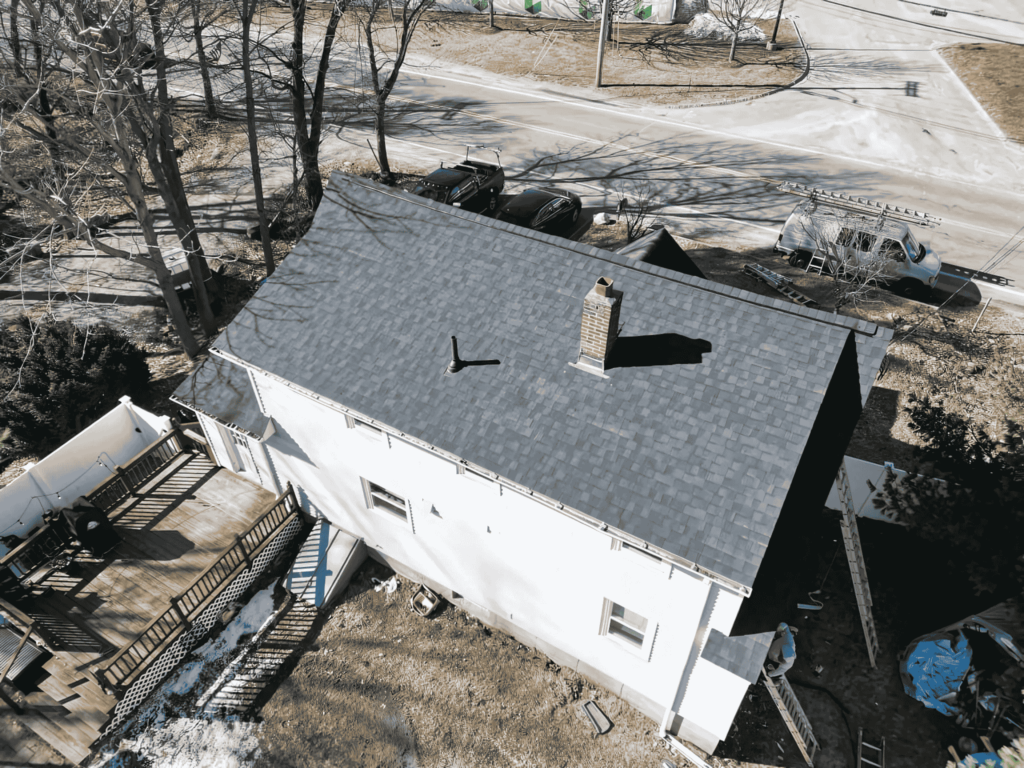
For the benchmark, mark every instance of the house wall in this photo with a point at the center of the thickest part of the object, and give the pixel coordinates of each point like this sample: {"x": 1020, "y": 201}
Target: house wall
{"x": 514, "y": 562}
{"x": 78, "y": 466}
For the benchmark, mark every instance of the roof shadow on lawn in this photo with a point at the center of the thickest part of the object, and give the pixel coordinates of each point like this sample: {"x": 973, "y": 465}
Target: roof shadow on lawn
{"x": 658, "y": 349}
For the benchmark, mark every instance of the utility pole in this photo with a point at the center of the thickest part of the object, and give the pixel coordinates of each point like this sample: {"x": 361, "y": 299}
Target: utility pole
{"x": 490, "y": 8}
{"x": 605, "y": 8}
{"x": 771, "y": 43}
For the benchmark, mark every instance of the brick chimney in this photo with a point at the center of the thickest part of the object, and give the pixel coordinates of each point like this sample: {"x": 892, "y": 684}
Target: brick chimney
{"x": 600, "y": 326}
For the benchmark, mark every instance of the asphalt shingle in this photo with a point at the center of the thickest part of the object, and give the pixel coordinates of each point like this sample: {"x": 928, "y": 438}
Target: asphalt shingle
{"x": 743, "y": 656}
{"x": 362, "y": 313}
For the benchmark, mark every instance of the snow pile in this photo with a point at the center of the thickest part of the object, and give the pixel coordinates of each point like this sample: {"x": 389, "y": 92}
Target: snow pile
{"x": 187, "y": 743}
{"x": 706, "y": 27}
{"x": 163, "y": 731}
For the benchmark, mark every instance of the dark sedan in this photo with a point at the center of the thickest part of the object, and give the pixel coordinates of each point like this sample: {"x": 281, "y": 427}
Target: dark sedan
{"x": 545, "y": 210}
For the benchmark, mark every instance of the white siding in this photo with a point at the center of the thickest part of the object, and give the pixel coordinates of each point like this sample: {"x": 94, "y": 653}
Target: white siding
{"x": 515, "y": 557}
{"x": 720, "y": 694}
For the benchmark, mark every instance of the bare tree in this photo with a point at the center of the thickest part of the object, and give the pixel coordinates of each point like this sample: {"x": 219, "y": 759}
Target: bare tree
{"x": 856, "y": 267}
{"x": 739, "y": 16}
{"x": 106, "y": 125}
{"x": 248, "y": 9}
{"x": 637, "y": 210}
{"x": 405, "y": 15}
{"x": 204, "y": 14}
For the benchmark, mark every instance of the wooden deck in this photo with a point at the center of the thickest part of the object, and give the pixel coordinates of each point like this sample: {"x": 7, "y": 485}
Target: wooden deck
{"x": 174, "y": 527}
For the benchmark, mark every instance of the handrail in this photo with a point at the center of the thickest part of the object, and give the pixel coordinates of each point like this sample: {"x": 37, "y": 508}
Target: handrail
{"x": 137, "y": 470}
{"x": 185, "y": 608}
{"x": 15, "y": 613}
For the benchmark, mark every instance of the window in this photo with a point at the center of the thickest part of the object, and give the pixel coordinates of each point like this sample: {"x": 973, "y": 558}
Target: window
{"x": 893, "y": 249}
{"x": 864, "y": 242}
{"x": 378, "y": 497}
{"x": 845, "y": 237}
{"x": 625, "y": 625}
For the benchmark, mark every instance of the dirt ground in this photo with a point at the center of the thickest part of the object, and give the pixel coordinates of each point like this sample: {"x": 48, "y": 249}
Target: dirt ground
{"x": 382, "y": 687}
{"x": 652, "y": 63}
{"x": 993, "y": 73}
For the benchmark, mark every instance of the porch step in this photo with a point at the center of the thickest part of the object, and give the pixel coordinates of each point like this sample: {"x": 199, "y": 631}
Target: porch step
{"x": 61, "y": 729}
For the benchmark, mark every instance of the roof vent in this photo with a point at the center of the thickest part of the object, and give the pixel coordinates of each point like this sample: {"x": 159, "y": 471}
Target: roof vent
{"x": 600, "y": 324}
{"x": 456, "y": 364}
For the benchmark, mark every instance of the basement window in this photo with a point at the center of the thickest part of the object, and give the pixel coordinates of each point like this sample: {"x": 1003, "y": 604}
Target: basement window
{"x": 380, "y": 498}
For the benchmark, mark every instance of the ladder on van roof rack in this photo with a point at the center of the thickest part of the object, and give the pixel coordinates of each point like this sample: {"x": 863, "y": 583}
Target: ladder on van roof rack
{"x": 860, "y": 204}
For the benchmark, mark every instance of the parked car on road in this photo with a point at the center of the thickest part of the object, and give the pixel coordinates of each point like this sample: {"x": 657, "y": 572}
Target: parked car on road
{"x": 545, "y": 210}
{"x": 472, "y": 184}
{"x": 855, "y": 239}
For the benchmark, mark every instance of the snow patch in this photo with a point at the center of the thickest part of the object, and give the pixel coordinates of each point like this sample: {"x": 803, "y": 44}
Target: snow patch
{"x": 706, "y": 27}
{"x": 187, "y": 743}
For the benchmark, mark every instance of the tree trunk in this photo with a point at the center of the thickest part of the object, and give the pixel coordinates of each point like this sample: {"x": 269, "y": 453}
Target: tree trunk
{"x": 386, "y": 176}
{"x": 732, "y": 48}
{"x": 308, "y": 152}
{"x": 311, "y": 172}
{"x": 248, "y": 8}
{"x": 204, "y": 65}
{"x": 19, "y": 71}
{"x": 163, "y": 164}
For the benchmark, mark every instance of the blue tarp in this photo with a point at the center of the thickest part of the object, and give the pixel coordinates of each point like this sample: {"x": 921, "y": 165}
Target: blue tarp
{"x": 934, "y": 667}
{"x": 981, "y": 758}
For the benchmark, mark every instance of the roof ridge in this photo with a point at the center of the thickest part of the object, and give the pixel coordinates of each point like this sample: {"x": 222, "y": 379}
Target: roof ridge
{"x": 863, "y": 327}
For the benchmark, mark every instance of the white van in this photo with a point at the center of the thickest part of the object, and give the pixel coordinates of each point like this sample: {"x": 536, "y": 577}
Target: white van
{"x": 850, "y": 239}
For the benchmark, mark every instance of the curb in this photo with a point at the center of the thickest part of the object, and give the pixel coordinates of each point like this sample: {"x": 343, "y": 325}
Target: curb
{"x": 741, "y": 99}
{"x": 626, "y": 103}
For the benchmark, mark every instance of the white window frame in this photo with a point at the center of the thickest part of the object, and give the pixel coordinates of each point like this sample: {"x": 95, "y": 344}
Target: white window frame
{"x": 384, "y": 501}
{"x": 610, "y": 621}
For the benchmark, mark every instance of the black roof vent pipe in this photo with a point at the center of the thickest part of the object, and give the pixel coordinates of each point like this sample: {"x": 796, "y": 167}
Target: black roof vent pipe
{"x": 456, "y": 364}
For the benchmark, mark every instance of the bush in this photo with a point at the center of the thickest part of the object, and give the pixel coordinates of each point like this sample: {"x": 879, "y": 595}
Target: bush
{"x": 56, "y": 379}
{"x": 976, "y": 518}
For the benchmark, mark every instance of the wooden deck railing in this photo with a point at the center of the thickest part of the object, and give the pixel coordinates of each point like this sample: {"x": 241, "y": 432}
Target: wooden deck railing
{"x": 47, "y": 542}
{"x": 118, "y": 673}
{"x": 142, "y": 468}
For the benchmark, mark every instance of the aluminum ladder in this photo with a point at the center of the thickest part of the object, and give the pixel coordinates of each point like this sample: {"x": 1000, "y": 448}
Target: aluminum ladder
{"x": 855, "y": 557}
{"x": 780, "y": 283}
{"x": 791, "y": 711}
{"x": 877, "y": 759}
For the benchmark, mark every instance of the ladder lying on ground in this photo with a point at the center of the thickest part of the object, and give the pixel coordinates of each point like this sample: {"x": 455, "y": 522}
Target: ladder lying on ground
{"x": 780, "y": 283}
{"x": 877, "y": 759}
{"x": 791, "y": 711}
{"x": 855, "y": 556}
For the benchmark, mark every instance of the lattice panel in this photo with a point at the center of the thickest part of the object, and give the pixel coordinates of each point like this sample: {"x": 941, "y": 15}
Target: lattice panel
{"x": 178, "y": 650}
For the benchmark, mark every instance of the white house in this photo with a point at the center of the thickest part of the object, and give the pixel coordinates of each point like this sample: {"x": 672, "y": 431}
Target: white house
{"x": 599, "y": 468}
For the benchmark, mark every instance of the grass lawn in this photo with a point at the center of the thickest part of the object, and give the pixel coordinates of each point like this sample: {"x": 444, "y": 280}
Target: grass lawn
{"x": 994, "y": 73}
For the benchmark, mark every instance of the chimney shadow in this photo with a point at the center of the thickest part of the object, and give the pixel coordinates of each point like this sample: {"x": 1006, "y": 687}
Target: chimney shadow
{"x": 657, "y": 349}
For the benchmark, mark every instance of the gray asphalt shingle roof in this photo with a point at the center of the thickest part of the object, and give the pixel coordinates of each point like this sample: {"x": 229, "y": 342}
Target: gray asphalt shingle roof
{"x": 695, "y": 459}
{"x": 743, "y": 656}
{"x": 221, "y": 390}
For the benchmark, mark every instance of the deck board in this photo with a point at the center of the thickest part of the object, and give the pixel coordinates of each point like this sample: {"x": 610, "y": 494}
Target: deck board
{"x": 173, "y": 528}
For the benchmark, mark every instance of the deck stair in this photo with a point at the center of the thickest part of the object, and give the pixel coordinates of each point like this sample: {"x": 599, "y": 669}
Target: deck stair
{"x": 238, "y": 689}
